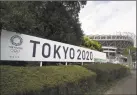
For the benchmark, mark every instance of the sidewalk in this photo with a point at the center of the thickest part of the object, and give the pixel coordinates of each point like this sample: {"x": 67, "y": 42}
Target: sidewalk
{"x": 126, "y": 86}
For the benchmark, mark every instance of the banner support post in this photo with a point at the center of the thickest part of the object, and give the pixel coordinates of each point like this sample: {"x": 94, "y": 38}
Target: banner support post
{"x": 82, "y": 63}
{"x": 41, "y": 64}
{"x": 66, "y": 63}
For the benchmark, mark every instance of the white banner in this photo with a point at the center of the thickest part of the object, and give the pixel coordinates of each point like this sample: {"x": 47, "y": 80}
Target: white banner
{"x": 21, "y": 47}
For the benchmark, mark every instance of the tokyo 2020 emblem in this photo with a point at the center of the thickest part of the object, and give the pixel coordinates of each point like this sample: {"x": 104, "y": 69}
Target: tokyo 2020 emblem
{"x": 16, "y": 40}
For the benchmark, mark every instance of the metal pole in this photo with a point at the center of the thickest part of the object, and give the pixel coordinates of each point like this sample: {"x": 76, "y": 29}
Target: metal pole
{"x": 82, "y": 64}
{"x": 130, "y": 58}
{"x": 41, "y": 64}
{"x": 66, "y": 63}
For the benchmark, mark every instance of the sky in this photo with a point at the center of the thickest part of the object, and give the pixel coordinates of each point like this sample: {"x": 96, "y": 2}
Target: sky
{"x": 108, "y": 17}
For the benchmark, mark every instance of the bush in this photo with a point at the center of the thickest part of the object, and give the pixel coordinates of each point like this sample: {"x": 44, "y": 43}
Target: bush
{"x": 48, "y": 80}
{"x": 108, "y": 72}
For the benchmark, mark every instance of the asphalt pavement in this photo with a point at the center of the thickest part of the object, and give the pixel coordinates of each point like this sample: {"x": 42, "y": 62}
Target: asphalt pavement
{"x": 126, "y": 86}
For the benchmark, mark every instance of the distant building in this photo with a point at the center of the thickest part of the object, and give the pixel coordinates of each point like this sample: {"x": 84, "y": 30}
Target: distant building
{"x": 113, "y": 46}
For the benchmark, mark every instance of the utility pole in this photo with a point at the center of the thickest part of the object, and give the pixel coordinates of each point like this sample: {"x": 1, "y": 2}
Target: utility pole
{"x": 129, "y": 58}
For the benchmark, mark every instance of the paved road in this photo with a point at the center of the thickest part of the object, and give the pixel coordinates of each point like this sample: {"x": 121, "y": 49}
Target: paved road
{"x": 126, "y": 86}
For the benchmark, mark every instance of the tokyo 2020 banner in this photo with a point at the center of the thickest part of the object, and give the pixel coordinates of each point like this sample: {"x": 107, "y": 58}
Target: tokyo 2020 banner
{"x": 21, "y": 47}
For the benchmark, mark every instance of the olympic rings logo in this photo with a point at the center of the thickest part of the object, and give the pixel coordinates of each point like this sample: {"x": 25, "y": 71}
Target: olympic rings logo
{"x": 15, "y": 50}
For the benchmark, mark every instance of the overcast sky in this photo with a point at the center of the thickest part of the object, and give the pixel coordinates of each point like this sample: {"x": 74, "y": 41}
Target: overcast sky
{"x": 108, "y": 17}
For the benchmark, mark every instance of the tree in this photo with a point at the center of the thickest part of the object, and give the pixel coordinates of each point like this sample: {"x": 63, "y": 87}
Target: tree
{"x": 126, "y": 50}
{"x": 91, "y": 44}
{"x": 54, "y": 20}
{"x": 130, "y": 51}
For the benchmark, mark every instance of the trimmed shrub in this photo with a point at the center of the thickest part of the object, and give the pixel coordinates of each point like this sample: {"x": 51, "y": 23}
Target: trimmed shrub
{"x": 108, "y": 72}
{"x": 48, "y": 80}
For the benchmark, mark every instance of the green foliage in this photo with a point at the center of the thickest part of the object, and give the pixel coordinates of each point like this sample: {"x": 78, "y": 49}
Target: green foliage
{"x": 49, "y": 80}
{"x": 91, "y": 44}
{"x": 132, "y": 50}
{"x": 54, "y": 20}
{"x": 108, "y": 72}
{"x": 57, "y": 80}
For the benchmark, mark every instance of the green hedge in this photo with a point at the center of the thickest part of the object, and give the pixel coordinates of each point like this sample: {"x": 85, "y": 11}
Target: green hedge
{"x": 48, "y": 80}
{"x": 108, "y": 72}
